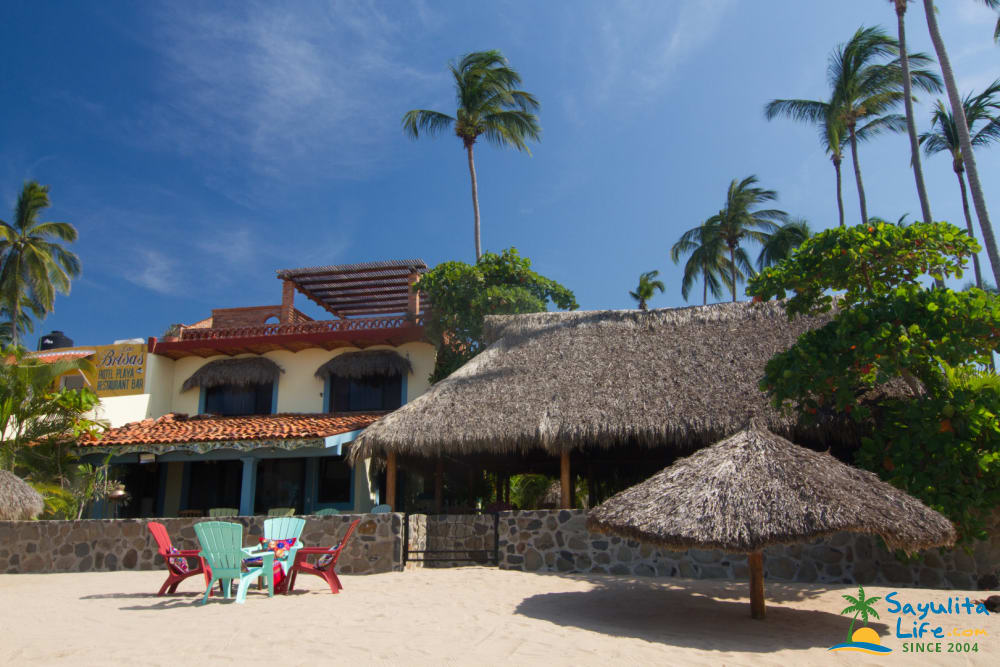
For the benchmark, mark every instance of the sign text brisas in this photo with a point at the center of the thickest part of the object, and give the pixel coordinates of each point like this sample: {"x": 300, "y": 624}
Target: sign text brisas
{"x": 120, "y": 369}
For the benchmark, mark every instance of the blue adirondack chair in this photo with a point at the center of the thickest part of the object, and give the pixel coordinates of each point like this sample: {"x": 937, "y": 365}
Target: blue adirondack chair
{"x": 285, "y": 528}
{"x": 222, "y": 548}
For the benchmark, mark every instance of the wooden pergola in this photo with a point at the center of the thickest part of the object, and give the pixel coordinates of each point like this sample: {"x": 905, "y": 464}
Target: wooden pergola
{"x": 352, "y": 290}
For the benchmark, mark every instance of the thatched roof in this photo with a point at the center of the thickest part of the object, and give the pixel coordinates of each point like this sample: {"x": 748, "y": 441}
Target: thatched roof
{"x": 684, "y": 376}
{"x": 362, "y": 364}
{"x": 756, "y": 489}
{"x": 243, "y": 371}
{"x": 18, "y": 501}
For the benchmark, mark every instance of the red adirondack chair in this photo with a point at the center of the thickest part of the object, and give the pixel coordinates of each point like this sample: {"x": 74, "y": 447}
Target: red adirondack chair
{"x": 177, "y": 573}
{"x": 324, "y": 570}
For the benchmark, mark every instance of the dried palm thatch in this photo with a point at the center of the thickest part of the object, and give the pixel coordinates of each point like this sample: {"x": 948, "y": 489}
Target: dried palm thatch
{"x": 18, "y": 501}
{"x": 357, "y": 365}
{"x": 756, "y": 489}
{"x": 685, "y": 377}
{"x": 242, "y": 371}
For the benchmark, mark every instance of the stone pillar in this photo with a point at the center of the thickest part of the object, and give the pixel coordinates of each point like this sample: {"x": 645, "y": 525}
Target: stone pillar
{"x": 287, "y": 301}
{"x": 413, "y": 297}
{"x": 248, "y": 485}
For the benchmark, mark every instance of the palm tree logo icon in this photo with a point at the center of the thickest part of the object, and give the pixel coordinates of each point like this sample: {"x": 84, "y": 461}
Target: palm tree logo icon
{"x": 863, "y": 639}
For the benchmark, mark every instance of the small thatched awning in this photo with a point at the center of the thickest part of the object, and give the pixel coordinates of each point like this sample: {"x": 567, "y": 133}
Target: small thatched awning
{"x": 363, "y": 364}
{"x": 18, "y": 501}
{"x": 681, "y": 377}
{"x": 756, "y": 489}
{"x": 243, "y": 371}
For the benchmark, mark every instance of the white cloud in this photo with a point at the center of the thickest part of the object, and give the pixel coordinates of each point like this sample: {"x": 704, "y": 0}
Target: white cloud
{"x": 288, "y": 93}
{"x": 154, "y": 271}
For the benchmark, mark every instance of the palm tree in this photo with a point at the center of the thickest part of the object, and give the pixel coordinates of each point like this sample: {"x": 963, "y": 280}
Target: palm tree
{"x": 861, "y": 606}
{"x": 35, "y": 265}
{"x": 964, "y": 137}
{"x": 911, "y": 128}
{"x": 738, "y": 221}
{"x": 832, "y": 133}
{"x": 944, "y": 137}
{"x": 865, "y": 91}
{"x": 23, "y": 324}
{"x": 707, "y": 261}
{"x": 782, "y": 242}
{"x": 489, "y": 105}
{"x": 648, "y": 285}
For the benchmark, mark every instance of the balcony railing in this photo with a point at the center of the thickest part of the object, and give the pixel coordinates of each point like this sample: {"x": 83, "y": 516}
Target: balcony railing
{"x": 323, "y": 326}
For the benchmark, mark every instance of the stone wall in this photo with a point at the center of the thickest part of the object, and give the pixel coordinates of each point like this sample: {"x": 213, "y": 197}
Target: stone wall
{"x": 450, "y": 532}
{"x": 558, "y": 541}
{"x": 126, "y": 544}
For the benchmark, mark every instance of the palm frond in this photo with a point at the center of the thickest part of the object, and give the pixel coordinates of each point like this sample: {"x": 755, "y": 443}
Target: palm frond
{"x": 416, "y": 121}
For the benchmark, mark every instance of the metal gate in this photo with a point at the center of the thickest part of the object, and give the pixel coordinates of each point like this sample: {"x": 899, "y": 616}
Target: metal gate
{"x": 447, "y": 550}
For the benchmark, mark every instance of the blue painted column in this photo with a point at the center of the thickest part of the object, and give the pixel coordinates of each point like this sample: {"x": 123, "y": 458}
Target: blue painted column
{"x": 248, "y": 487}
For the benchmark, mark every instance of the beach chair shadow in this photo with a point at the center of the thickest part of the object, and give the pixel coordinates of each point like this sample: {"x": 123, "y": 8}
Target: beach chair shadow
{"x": 672, "y": 615}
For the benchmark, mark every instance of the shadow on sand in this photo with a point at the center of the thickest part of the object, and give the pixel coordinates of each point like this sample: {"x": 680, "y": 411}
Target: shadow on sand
{"x": 706, "y": 619}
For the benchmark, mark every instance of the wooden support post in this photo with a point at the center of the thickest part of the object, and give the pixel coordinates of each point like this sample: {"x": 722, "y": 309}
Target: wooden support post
{"x": 390, "y": 480}
{"x": 566, "y": 481}
{"x": 413, "y": 297}
{"x": 439, "y": 485}
{"x": 756, "y": 560}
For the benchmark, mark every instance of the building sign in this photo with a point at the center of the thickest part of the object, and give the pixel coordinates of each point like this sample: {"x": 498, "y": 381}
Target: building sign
{"x": 120, "y": 369}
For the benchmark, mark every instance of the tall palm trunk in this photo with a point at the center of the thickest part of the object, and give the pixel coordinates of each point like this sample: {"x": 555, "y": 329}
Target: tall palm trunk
{"x": 857, "y": 175}
{"x": 965, "y": 142}
{"x": 475, "y": 196}
{"x": 840, "y": 197}
{"x": 968, "y": 219}
{"x": 732, "y": 270}
{"x": 911, "y": 128}
{"x": 704, "y": 292}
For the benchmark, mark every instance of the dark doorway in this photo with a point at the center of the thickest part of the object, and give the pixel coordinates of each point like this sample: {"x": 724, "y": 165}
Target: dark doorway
{"x": 280, "y": 483}
{"x": 142, "y": 483}
{"x": 214, "y": 484}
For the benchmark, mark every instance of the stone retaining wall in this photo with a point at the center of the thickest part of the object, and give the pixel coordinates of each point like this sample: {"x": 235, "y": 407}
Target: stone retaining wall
{"x": 450, "y": 532}
{"x": 126, "y": 544}
{"x": 558, "y": 541}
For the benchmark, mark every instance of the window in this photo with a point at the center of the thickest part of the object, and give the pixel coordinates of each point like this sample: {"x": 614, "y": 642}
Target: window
{"x": 234, "y": 400}
{"x": 72, "y": 382}
{"x": 334, "y": 484}
{"x": 376, "y": 392}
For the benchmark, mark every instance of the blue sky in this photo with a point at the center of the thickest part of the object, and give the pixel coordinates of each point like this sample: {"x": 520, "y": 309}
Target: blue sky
{"x": 199, "y": 147}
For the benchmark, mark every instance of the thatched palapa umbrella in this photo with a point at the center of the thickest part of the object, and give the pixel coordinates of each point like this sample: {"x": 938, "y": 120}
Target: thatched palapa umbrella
{"x": 756, "y": 489}
{"x": 18, "y": 501}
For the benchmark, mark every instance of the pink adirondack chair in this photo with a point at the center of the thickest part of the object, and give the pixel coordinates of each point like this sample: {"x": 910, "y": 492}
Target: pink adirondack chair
{"x": 177, "y": 564}
{"x": 324, "y": 567}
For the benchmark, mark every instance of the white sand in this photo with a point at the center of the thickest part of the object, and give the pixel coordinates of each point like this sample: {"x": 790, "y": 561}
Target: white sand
{"x": 458, "y": 616}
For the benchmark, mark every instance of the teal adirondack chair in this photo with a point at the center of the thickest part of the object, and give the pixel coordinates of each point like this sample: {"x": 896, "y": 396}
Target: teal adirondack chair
{"x": 284, "y": 528}
{"x": 222, "y": 548}
{"x": 327, "y": 511}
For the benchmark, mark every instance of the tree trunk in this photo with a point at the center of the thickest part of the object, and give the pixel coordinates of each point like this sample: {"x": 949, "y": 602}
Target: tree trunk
{"x": 732, "y": 270}
{"x": 704, "y": 294}
{"x": 857, "y": 176}
{"x": 840, "y": 197}
{"x": 911, "y": 128}
{"x": 971, "y": 172}
{"x": 475, "y": 198}
{"x": 968, "y": 223}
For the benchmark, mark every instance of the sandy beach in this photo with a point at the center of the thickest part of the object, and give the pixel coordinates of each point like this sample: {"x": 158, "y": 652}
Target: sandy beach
{"x": 459, "y": 616}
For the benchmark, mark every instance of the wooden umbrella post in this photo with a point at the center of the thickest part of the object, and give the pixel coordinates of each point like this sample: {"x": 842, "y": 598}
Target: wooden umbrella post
{"x": 439, "y": 485}
{"x": 565, "y": 480}
{"x": 390, "y": 479}
{"x": 756, "y": 561}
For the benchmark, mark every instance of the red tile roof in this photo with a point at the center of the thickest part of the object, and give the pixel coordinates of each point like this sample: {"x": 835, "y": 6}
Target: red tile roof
{"x": 60, "y": 355}
{"x": 175, "y": 428}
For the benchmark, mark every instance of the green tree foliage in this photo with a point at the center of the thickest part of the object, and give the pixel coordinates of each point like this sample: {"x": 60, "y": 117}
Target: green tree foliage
{"x": 489, "y": 106}
{"x": 939, "y": 441}
{"x": 647, "y": 288}
{"x": 782, "y": 242}
{"x": 34, "y": 263}
{"x": 706, "y": 260}
{"x": 462, "y": 295}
